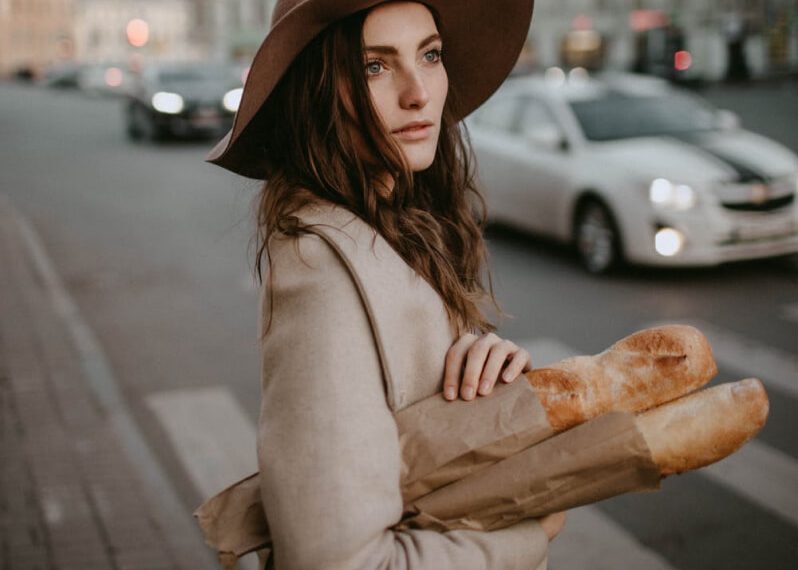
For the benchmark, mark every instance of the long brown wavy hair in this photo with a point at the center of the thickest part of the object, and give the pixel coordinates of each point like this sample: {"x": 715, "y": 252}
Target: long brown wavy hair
{"x": 308, "y": 143}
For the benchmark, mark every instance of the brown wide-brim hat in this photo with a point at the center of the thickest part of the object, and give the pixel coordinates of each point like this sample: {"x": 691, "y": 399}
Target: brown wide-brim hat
{"x": 482, "y": 40}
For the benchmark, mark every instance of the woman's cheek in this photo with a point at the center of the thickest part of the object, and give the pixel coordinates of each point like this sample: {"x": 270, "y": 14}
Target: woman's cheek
{"x": 380, "y": 100}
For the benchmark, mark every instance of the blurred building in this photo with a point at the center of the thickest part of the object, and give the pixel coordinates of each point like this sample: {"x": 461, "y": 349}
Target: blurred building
{"x": 706, "y": 39}
{"x": 118, "y": 30}
{"x": 33, "y": 34}
{"x": 231, "y": 29}
{"x": 37, "y": 33}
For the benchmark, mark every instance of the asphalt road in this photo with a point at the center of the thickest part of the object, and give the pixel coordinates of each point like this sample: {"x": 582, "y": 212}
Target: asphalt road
{"x": 153, "y": 244}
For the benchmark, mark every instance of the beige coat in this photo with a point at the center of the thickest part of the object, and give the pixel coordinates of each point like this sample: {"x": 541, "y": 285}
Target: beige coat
{"x": 356, "y": 336}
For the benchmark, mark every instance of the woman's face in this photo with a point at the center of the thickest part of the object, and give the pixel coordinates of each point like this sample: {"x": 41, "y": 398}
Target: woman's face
{"x": 406, "y": 77}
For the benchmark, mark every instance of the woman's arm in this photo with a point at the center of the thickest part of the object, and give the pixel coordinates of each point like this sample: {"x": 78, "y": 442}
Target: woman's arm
{"x": 328, "y": 447}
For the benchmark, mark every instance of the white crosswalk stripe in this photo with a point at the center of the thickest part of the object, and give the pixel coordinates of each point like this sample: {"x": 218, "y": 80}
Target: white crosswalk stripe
{"x": 212, "y": 436}
{"x": 762, "y": 474}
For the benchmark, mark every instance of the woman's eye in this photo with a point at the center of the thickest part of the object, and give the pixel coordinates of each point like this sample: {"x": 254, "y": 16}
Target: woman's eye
{"x": 433, "y": 55}
{"x": 373, "y": 67}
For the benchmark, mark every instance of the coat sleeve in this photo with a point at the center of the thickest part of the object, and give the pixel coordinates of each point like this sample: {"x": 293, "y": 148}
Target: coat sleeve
{"x": 328, "y": 447}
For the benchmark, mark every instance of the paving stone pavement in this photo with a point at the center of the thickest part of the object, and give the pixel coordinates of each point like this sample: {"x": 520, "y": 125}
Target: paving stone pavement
{"x": 71, "y": 497}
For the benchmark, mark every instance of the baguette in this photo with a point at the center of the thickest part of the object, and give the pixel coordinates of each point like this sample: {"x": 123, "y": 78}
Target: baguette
{"x": 702, "y": 428}
{"x": 641, "y": 371}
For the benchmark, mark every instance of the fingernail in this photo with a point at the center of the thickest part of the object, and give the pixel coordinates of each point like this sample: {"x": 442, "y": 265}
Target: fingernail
{"x": 507, "y": 376}
{"x": 484, "y": 387}
{"x": 469, "y": 392}
{"x": 449, "y": 393}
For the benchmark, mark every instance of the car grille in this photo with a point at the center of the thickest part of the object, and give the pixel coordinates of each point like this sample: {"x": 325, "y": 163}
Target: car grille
{"x": 758, "y": 196}
{"x": 767, "y": 205}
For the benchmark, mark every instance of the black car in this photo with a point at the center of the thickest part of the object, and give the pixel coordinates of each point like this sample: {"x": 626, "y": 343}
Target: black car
{"x": 183, "y": 99}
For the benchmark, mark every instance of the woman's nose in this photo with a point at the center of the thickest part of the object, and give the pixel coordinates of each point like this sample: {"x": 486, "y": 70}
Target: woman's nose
{"x": 414, "y": 93}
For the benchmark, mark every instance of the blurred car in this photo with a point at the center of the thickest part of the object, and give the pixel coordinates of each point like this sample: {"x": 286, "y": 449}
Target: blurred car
{"x": 102, "y": 79}
{"x": 183, "y": 99}
{"x": 628, "y": 167}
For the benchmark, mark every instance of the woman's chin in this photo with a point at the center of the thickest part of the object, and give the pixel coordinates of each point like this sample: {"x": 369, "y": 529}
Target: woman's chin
{"x": 419, "y": 160}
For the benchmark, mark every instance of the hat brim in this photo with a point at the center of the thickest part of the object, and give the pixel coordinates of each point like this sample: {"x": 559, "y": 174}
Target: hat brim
{"x": 482, "y": 40}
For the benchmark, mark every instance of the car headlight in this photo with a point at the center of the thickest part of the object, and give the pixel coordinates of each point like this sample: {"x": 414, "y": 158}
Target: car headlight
{"x": 666, "y": 194}
{"x": 232, "y": 99}
{"x": 170, "y": 103}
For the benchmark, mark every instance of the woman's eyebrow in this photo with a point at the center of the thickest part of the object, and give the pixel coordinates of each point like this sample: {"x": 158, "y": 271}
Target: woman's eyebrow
{"x": 390, "y": 50}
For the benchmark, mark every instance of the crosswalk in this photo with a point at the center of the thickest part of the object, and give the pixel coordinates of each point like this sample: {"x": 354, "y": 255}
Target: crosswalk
{"x": 215, "y": 441}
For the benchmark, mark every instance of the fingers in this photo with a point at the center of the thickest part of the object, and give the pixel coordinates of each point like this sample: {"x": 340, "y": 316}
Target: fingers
{"x": 455, "y": 359}
{"x": 477, "y": 354}
{"x": 521, "y": 362}
{"x": 473, "y": 365}
{"x": 499, "y": 353}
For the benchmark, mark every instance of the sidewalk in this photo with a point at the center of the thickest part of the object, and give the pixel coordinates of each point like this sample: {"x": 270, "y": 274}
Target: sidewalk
{"x": 79, "y": 488}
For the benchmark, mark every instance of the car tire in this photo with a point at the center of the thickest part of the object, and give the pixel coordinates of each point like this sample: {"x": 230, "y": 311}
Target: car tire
{"x": 141, "y": 125}
{"x": 132, "y": 128}
{"x": 596, "y": 237}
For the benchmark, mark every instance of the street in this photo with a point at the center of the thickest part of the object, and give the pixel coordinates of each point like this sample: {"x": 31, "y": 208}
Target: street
{"x": 153, "y": 245}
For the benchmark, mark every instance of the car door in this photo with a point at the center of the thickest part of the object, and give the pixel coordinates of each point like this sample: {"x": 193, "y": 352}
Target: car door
{"x": 541, "y": 198}
{"x": 495, "y": 139}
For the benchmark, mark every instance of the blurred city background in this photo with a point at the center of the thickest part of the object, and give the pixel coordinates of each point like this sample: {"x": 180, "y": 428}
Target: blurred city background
{"x": 714, "y": 39}
{"x": 640, "y": 167}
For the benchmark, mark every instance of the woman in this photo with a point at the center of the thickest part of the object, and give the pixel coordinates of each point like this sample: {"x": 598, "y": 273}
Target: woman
{"x": 374, "y": 255}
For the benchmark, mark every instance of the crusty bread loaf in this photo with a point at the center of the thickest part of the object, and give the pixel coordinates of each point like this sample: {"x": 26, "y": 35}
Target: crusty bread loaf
{"x": 704, "y": 427}
{"x": 641, "y": 371}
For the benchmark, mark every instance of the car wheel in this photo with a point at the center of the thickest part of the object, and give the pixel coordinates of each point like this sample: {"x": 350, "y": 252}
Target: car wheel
{"x": 145, "y": 124}
{"x": 596, "y": 238}
{"x": 133, "y": 129}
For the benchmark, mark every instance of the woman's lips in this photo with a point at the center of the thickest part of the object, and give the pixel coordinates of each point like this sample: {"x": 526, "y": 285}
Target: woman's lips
{"x": 414, "y": 133}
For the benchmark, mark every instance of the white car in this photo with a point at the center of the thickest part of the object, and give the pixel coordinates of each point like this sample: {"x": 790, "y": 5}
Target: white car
{"x": 627, "y": 167}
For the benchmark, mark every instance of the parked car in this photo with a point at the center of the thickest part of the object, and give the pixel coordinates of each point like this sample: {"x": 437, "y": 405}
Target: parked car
{"x": 183, "y": 99}
{"x": 628, "y": 167}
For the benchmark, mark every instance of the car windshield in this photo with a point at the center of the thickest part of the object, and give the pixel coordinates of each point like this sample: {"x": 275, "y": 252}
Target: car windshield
{"x": 620, "y": 116}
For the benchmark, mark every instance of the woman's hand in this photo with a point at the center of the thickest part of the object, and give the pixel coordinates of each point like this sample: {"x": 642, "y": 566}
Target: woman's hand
{"x": 552, "y": 524}
{"x": 480, "y": 360}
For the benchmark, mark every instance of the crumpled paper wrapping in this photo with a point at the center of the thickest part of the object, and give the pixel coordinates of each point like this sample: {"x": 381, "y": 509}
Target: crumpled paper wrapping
{"x": 599, "y": 459}
{"x": 233, "y": 521}
{"x": 442, "y": 441}
{"x": 483, "y": 464}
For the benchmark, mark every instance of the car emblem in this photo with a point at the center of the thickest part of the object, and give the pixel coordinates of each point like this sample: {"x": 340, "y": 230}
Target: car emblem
{"x": 759, "y": 193}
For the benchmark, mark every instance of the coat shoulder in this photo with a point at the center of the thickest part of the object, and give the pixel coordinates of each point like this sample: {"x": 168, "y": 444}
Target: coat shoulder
{"x": 322, "y": 225}
{"x": 407, "y": 317}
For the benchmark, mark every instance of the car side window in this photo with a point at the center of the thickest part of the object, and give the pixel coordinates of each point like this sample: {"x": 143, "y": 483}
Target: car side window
{"x": 499, "y": 113}
{"x": 537, "y": 123}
